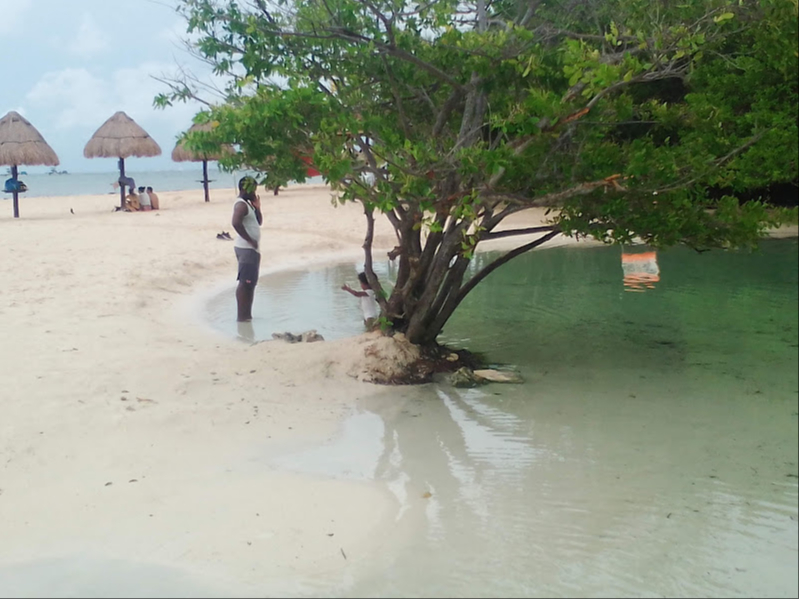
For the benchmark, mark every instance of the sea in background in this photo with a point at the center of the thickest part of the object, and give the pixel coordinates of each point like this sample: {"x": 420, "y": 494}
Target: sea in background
{"x": 71, "y": 184}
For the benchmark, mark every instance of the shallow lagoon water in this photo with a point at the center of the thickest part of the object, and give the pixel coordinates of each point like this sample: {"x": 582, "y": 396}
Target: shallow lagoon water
{"x": 651, "y": 452}
{"x": 296, "y": 301}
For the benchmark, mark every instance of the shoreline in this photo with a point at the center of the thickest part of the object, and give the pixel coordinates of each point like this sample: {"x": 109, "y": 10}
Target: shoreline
{"x": 42, "y": 185}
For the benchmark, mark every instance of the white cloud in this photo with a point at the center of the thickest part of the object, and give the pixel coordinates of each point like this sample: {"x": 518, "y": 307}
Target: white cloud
{"x": 135, "y": 89}
{"x": 12, "y": 12}
{"x": 75, "y": 96}
{"x": 79, "y": 100}
{"x": 89, "y": 39}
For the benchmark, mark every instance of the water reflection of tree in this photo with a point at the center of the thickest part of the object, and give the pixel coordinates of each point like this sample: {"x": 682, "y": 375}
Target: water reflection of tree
{"x": 473, "y": 459}
{"x": 528, "y": 504}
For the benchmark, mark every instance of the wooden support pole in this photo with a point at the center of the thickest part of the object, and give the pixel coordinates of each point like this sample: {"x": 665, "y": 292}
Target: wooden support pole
{"x": 121, "y": 185}
{"x": 16, "y": 188}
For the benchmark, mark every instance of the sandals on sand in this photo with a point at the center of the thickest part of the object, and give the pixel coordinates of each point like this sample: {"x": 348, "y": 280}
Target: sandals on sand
{"x": 224, "y": 235}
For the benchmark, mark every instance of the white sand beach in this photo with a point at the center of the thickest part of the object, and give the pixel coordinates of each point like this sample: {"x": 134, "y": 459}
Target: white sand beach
{"x": 130, "y": 432}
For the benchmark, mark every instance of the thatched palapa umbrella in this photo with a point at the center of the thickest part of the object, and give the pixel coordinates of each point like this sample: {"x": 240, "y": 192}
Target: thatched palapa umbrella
{"x": 182, "y": 154}
{"x": 120, "y": 137}
{"x": 21, "y": 143}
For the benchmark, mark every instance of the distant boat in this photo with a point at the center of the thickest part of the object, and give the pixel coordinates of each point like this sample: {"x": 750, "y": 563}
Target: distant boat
{"x": 8, "y": 172}
{"x": 54, "y": 171}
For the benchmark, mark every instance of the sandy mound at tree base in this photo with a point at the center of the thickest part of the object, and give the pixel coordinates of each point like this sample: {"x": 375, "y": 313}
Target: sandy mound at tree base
{"x": 374, "y": 357}
{"x": 392, "y": 360}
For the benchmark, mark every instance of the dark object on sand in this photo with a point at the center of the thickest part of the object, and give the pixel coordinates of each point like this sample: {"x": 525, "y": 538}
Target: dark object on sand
{"x": 12, "y": 185}
{"x": 306, "y": 337}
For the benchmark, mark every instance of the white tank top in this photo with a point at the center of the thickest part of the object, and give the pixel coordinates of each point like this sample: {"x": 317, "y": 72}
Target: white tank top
{"x": 250, "y": 223}
{"x": 369, "y": 305}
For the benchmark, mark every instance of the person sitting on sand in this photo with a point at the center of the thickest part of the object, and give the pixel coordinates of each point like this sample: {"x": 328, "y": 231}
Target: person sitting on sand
{"x": 369, "y": 306}
{"x": 132, "y": 201}
{"x": 144, "y": 200}
{"x": 153, "y": 198}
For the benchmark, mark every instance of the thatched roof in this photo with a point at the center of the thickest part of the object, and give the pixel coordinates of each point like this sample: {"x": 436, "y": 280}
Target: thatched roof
{"x": 183, "y": 154}
{"x": 121, "y": 137}
{"x": 21, "y": 143}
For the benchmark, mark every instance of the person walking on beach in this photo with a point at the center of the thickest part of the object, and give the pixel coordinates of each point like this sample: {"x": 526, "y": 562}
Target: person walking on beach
{"x": 153, "y": 198}
{"x": 369, "y": 306}
{"x": 247, "y": 220}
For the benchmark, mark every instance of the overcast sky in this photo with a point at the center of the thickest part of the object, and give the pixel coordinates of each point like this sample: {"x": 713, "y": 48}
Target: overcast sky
{"x": 68, "y": 65}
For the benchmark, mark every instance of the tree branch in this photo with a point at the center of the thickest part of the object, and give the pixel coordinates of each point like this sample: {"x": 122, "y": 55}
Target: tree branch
{"x": 551, "y": 199}
{"x": 368, "y": 266}
{"x": 472, "y": 283}
{"x": 515, "y": 232}
{"x": 713, "y": 164}
{"x": 398, "y": 98}
{"x": 446, "y": 111}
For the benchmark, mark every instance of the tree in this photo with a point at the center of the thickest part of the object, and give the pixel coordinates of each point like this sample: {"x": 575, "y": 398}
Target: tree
{"x": 628, "y": 118}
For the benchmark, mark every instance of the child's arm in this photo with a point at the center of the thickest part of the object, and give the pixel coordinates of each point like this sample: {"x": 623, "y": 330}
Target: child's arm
{"x": 349, "y": 289}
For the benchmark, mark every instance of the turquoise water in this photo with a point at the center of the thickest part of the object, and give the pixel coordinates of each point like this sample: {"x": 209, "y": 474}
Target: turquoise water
{"x": 571, "y": 310}
{"x": 188, "y": 177}
{"x": 561, "y": 304}
{"x": 652, "y": 450}
{"x": 44, "y": 185}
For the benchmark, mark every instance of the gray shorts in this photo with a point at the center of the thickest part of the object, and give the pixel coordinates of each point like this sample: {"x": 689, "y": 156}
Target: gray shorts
{"x": 249, "y": 265}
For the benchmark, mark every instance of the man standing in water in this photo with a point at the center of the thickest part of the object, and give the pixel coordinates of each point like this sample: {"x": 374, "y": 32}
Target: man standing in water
{"x": 247, "y": 221}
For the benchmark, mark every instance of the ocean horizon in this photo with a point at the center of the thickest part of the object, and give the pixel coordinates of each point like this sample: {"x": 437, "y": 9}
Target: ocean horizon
{"x": 44, "y": 184}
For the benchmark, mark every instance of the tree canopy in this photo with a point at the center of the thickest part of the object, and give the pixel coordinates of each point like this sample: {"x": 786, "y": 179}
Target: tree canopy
{"x": 630, "y": 119}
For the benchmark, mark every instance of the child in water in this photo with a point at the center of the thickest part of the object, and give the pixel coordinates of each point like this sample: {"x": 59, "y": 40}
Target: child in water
{"x": 369, "y": 306}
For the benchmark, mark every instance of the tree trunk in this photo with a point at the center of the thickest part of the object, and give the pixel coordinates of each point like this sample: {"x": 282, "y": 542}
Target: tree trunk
{"x": 429, "y": 282}
{"x": 439, "y": 289}
{"x": 205, "y": 181}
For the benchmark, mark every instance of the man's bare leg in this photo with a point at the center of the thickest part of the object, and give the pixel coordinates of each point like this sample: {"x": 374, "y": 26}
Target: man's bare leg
{"x": 245, "y": 292}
